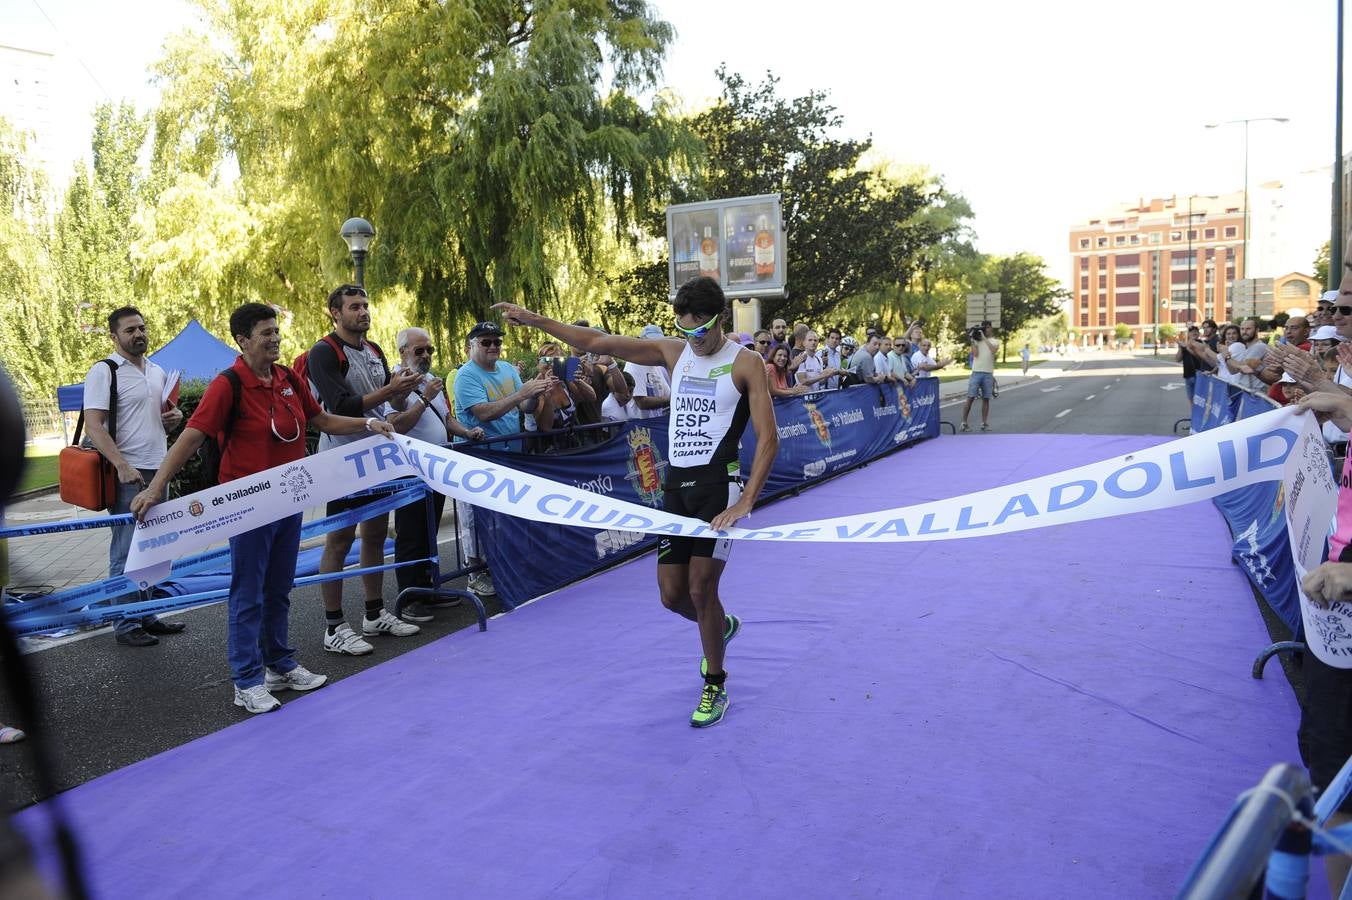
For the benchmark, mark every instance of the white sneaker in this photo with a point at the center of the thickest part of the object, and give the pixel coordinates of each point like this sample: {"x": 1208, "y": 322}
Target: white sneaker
{"x": 345, "y": 640}
{"x": 388, "y": 624}
{"x": 298, "y": 679}
{"x": 256, "y": 699}
{"x": 481, "y": 583}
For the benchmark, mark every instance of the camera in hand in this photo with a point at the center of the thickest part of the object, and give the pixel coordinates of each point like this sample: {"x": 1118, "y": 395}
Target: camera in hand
{"x": 976, "y": 333}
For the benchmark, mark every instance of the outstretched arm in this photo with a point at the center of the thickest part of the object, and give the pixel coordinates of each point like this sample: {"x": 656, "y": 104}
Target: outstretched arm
{"x": 644, "y": 352}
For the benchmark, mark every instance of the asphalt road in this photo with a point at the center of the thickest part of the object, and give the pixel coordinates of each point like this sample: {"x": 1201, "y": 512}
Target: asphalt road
{"x": 106, "y": 706}
{"x": 1089, "y": 394}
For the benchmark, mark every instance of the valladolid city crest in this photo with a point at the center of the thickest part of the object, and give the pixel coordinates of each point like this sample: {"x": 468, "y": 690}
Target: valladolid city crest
{"x": 646, "y": 467}
{"x": 819, "y": 424}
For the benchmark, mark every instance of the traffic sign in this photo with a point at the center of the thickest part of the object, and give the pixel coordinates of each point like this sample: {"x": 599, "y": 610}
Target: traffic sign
{"x": 983, "y": 308}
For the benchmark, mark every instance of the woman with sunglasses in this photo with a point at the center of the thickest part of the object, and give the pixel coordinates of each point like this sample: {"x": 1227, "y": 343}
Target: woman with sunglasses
{"x": 717, "y": 386}
{"x": 265, "y": 429}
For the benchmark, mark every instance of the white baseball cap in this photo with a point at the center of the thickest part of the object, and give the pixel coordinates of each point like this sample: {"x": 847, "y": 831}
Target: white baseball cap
{"x": 1326, "y": 333}
{"x": 1328, "y": 297}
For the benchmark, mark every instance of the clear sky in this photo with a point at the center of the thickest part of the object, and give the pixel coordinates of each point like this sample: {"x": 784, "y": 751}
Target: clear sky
{"x": 1041, "y": 113}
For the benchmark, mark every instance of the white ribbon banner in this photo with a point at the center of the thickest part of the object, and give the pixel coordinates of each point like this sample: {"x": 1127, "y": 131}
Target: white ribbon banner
{"x": 1278, "y": 446}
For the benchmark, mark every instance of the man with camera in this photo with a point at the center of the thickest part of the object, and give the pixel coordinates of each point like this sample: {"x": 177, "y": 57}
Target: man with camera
{"x": 982, "y": 381}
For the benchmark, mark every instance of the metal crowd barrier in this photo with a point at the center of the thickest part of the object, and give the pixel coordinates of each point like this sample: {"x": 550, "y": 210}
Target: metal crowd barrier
{"x": 73, "y": 607}
{"x": 1271, "y": 835}
{"x": 1232, "y": 391}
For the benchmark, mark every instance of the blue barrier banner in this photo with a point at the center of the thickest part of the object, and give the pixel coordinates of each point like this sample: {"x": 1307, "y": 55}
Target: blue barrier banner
{"x": 819, "y": 435}
{"x": 1262, "y": 544}
{"x": 1215, "y": 402}
{"x": 824, "y": 434}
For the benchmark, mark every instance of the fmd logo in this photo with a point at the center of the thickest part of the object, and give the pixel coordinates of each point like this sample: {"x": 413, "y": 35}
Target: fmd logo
{"x": 158, "y": 541}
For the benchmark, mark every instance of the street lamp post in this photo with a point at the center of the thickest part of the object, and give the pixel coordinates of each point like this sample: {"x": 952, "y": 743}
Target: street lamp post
{"x": 1336, "y": 241}
{"x": 358, "y": 234}
{"x": 1244, "y": 268}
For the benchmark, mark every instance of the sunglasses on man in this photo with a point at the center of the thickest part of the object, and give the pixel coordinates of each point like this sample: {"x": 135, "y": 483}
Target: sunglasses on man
{"x": 490, "y": 342}
{"x": 700, "y": 331}
{"x": 424, "y": 351}
{"x": 1341, "y": 310}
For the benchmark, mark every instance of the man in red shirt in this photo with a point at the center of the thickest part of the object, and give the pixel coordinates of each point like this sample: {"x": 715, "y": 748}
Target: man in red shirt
{"x": 266, "y": 429}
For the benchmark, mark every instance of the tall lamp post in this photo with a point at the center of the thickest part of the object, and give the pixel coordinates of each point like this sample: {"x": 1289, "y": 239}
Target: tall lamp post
{"x": 1336, "y": 241}
{"x": 1244, "y": 269}
{"x": 358, "y": 234}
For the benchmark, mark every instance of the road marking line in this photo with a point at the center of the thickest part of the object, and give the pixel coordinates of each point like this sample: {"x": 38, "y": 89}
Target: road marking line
{"x": 1064, "y": 412}
{"x": 1108, "y": 387}
{"x": 1091, "y": 396}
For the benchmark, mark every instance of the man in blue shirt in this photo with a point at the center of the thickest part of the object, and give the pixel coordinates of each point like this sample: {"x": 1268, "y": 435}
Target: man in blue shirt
{"x": 488, "y": 393}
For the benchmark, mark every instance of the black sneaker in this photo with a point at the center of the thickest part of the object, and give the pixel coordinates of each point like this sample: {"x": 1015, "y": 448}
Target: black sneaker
{"x": 159, "y": 626}
{"x": 137, "y": 637}
{"x": 415, "y": 611}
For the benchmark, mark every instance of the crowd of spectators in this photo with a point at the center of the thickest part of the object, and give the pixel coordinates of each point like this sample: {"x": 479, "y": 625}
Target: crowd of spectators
{"x": 1309, "y": 364}
{"x": 580, "y": 389}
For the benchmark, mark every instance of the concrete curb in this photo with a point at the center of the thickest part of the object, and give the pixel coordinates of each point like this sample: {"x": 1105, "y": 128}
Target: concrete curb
{"x": 18, "y": 496}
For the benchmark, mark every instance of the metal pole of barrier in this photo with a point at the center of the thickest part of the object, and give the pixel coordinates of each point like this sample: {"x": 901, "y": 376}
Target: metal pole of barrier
{"x": 435, "y": 592}
{"x": 1233, "y": 862}
{"x": 1271, "y": 651}
{"x": 1288, "y": 868}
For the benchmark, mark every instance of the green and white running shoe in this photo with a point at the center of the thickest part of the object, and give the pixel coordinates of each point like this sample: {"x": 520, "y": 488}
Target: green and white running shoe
{"x": 731, "y": 625}
{"x": 713, "y": 702}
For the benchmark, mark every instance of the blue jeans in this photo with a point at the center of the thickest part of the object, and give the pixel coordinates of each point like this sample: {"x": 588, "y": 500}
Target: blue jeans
{"x": 262, "y": 570}
{"x": 1191, "y": 382}
{"x": 117, "y": 551}
{"x": 980, "y": 384}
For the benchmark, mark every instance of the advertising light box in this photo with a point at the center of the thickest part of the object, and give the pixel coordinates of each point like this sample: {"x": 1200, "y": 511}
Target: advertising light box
{"x": 739, "y": 241}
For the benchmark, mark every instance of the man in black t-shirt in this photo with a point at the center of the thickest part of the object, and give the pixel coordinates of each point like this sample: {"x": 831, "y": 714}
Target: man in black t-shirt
{"x": 1190, "y": 362}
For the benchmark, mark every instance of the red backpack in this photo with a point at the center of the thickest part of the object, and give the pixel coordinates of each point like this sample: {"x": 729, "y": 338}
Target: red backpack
{"x": 301, "y": 365}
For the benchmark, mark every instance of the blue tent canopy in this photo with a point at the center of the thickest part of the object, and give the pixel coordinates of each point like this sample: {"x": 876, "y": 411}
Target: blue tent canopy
{"x": 196, "y": 352}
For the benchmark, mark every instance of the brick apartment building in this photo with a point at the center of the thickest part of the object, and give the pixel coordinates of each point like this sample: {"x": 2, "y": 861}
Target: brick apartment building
{"x": 1140, "y": 265}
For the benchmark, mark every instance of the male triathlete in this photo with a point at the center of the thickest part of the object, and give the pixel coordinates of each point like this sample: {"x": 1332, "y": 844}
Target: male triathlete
{"x": 716, "y": 385}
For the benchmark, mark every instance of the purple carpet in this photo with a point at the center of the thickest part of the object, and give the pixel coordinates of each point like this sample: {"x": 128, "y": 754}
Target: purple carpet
{"x": 1052, "y": 713}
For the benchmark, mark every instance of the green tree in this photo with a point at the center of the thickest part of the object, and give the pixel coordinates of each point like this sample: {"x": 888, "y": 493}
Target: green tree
{"x": 1027, "y": 292}
{"x": 852, "y": 228}
{"x": 35, "y": 331}
{"x": 489, "y": 142}
{"x": 1321, "y": 266}
{"x": 93, "y": 234}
